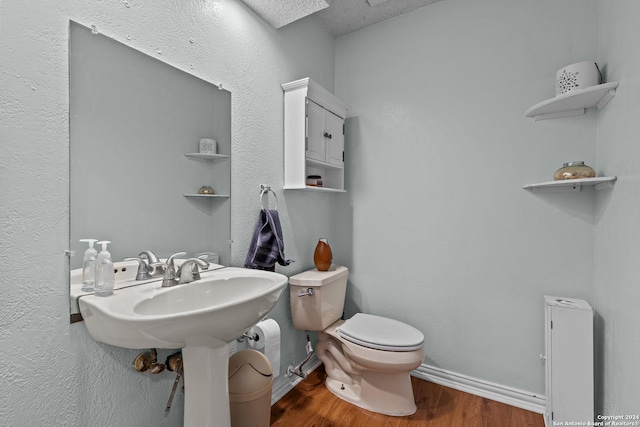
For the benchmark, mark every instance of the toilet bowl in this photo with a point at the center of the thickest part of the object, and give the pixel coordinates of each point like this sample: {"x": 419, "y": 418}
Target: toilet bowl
{"x": 367, "y": 358}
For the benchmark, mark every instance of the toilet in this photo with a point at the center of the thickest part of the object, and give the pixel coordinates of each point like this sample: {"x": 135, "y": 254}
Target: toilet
{"x": 367, "y": 358}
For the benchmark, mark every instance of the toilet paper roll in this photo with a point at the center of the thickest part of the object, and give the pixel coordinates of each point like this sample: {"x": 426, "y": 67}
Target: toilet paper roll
{"x": 268, "y": 342}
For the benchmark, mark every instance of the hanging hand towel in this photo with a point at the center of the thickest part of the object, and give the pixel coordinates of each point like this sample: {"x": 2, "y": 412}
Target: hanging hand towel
{"x": 267, "y": 245}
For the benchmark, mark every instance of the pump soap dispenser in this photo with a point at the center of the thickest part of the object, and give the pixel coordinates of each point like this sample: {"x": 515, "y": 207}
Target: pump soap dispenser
{"x": 105, "y": 277}
{"x": 89, "y": 266}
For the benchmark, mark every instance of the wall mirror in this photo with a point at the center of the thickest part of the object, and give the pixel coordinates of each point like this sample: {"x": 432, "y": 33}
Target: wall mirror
{"x": 135, "y": 125}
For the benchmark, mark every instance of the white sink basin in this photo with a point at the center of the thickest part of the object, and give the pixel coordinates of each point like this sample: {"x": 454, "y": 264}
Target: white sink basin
{"x": 204, "y": 294}
{"x": 125, "y": 276}
{"x": 201, "y": 317}
{"x": 212, "y": 311}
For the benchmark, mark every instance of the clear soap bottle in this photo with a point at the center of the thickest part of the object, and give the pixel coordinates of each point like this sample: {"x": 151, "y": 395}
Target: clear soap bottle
{"x": 89, "y": 266}
{"x": 105, "y": 276}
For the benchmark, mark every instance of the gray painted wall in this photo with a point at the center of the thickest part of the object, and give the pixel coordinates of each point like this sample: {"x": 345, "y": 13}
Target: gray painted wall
{"x": 76, "y": 381}
{"x": 617, "y": 269}
{"x": 437, "y": 137}
{"x": 444, "y": 236}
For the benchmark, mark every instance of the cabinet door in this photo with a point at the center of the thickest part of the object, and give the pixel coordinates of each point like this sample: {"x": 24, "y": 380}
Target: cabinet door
{"x": 335, "y": 139}
{"x": 569, "y": 365}
{"x": 315, "y": 131}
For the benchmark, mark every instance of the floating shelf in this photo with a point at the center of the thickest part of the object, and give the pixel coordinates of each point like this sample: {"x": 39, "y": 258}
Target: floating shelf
{"x": 207, "y": 196}
{"x": 322, "y": 164}
{"x": 318, "y": 189}
{"x": 201, "y": 156}
{"x": 573, "y": 103}
{"x": 600, "y": 183}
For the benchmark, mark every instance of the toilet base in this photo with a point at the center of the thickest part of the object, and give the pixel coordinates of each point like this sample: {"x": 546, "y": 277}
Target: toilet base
{"x": 398, "y": 401}
{"x": 374, "y": 380}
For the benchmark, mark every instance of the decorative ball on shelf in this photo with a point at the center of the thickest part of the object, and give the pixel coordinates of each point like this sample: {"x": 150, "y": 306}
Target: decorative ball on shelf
{"x": 574, "y": 170}
{"x": 206, "y": 189}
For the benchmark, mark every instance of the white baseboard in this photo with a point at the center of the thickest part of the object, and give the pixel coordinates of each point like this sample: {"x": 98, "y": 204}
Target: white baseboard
{"x": 284, "y": 384}
{"x": 500, "y": 393}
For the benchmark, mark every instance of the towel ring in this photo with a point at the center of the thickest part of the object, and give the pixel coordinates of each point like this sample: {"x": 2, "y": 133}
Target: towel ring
{"x": 265, "y": 189}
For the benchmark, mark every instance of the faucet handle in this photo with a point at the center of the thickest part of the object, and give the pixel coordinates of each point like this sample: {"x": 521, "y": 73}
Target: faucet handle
{"x": 170, "y": 263}
{"x": 143, "y": 269}
{"x": 150, "y": 258}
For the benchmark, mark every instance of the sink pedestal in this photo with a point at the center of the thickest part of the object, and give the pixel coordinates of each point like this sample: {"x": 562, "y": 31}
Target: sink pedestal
{"x": 206, "y": 386}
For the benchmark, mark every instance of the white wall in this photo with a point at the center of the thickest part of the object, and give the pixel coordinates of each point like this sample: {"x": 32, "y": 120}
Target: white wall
{"x": 617, "y": 292}
{"x": 53, "y": 373}
{"x": 444, "y": 236}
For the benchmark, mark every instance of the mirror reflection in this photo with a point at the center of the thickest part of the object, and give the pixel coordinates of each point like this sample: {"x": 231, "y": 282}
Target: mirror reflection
{"x": 135, "y": 162}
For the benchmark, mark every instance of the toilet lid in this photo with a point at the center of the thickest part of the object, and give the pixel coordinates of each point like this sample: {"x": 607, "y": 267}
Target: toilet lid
{"x": 381, "y": 333}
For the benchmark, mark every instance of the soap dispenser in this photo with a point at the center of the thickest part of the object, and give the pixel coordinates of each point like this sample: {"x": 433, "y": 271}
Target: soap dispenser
{"x": 105, "y": 277}
{"x": 89, "y": 266}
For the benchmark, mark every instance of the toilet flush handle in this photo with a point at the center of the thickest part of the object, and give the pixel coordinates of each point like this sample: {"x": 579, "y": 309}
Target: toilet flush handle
{"x": 309, "y": 292}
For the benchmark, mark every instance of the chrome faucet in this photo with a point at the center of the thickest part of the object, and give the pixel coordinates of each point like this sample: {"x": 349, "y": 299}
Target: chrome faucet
{"x": 150, "y": 258}
{"x": 187, "y": 272}
{"x": 148, "y": 265}
{"x": 144, "y": 273}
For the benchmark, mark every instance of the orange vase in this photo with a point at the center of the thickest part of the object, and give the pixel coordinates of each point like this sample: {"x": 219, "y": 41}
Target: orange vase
{"x": 322, "y": 256}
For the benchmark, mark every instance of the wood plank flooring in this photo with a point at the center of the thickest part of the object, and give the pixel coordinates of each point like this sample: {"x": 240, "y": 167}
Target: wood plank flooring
{"x": 311, "y": 404}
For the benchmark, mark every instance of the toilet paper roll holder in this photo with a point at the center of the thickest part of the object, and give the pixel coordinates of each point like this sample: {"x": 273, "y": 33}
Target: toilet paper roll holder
{"x": 247, "y": 336}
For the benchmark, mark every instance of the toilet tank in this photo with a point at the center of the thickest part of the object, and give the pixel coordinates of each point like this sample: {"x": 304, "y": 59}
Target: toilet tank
{"x": 316, "y": 312}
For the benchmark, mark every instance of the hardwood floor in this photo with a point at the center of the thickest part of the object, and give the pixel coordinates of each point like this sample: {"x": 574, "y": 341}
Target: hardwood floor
{"x": 310, "y": 404}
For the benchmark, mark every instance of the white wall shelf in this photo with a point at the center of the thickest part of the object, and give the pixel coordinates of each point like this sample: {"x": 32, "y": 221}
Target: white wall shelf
{"x": 600, "y": 183}
{"x": 318, "y": 189}
{"x": 573, "y": 103}
{"x": 212, "y": 157}
{"x": 207, "y": 196}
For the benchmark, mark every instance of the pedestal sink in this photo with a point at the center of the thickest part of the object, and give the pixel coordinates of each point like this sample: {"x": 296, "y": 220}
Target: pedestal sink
{"x": 202, "y": 318}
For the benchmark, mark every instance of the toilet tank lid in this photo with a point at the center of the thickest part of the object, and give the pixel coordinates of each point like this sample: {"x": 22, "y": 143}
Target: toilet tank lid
{"x": 319, "y": 278}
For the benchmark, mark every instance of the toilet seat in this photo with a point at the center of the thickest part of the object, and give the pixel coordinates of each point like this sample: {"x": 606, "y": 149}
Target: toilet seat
{"x": 381, "y": 333}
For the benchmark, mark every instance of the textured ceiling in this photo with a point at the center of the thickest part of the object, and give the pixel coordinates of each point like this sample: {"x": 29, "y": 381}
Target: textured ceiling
{"x": 344, "y": 16}
{"x": 279, "y": 13}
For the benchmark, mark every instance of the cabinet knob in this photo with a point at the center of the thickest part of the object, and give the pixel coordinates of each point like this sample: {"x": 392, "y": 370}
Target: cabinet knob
{"x": 327, "y": 135}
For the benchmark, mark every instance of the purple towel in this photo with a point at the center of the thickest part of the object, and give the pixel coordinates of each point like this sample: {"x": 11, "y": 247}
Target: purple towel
{"x": 267, "y": 246}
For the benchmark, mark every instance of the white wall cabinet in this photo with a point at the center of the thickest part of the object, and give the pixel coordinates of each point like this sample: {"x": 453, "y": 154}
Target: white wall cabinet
{"x": 569, "y": 361}
{"x": 313, "y": 136}
{"x": 325, "y": 135}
